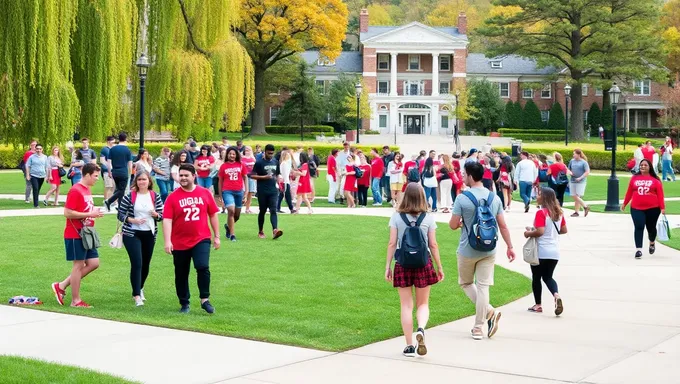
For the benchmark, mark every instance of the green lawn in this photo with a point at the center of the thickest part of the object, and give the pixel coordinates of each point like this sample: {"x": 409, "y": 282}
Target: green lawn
{"x": 674, "y": 241}
{"x": 672, "y": 208}
{"x": 20, "y": 204}
{"x": 296, "y": 290}
{"x": 20, "y": 370}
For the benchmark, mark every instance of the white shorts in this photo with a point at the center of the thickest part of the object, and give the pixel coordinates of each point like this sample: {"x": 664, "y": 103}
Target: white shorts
{"x": 577, "y": 189}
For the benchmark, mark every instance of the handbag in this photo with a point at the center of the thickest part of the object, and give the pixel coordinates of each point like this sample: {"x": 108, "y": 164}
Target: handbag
{"x": 116, "y": 241}
{"x": 530, "y": 251}
{"x": 62, "y": 172}
{"x": 663, "y": 230}
{"x": 430, "y": 182}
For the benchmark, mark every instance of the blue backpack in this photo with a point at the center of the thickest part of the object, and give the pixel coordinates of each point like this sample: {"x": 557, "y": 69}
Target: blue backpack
{"x": 483, "y": 231}
{"x": 413, "y": 252}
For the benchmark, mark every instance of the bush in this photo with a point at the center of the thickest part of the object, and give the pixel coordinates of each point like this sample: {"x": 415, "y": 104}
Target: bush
{"x": 556, "y": 118}
{"x": 521, "y": 131}
{"x": 369, "y": 132}
{"x": 531, "y": 117}
{"x": 292, "y": 129}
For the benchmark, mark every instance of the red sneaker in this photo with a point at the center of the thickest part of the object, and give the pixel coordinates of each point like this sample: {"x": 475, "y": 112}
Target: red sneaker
{"x": 260, "y": 235}
{"x": 277, "y": 233}
{"x": 58, "y": 293}
{"x": 81, "y": 304}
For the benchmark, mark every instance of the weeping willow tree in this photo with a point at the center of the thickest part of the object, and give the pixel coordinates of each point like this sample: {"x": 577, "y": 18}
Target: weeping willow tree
{"x": 201, "y": 76}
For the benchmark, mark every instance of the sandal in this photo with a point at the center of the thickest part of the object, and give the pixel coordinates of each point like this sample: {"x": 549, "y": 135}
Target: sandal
{"x": 575, "y": 214}
{"x": 558, "y": 306}
{"x": 535, "y": 309}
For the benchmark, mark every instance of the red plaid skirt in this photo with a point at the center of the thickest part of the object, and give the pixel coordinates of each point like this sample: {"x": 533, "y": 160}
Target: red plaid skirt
{"x": 420, "y": 277}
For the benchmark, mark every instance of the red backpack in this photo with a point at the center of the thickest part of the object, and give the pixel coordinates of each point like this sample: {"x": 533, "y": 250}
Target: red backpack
{"x": 133, "y": 197}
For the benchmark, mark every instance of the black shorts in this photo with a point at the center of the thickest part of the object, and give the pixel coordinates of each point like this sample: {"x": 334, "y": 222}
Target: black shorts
{"x": 76, "y": 251}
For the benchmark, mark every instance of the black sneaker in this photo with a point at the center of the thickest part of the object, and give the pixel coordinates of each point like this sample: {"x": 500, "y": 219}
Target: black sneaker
{"x": 638, "y": 255}
{"x": 526, "y": 208}
{"x": 420, "y": 338}
{"x": 184, "y": 309}
{"x": 652, "y": 249}
{"x": 45, "y": 203}
{"x": 226, "y": 229}
{"x": 208, "y": 307}
{"x": 409, "y": 351}
{"x": 108, "y": 205}
{"x": 233, "y": 238}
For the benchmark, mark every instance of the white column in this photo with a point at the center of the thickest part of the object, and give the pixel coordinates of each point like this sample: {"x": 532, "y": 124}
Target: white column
{"x": 394, "y": 118}
{"x": 393, "y": 74}
{"x": 373, "y": 126}
{"x": 434, "y": 119}
{"x": 435, "y": 74}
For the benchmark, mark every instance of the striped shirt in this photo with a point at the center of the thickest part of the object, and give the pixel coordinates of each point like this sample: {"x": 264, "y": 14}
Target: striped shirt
{"x": 127, "y": 210}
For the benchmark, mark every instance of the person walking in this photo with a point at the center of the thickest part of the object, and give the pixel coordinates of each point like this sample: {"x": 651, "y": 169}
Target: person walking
{"x": 286, "y": 167}
{"x": 549, "y": 224}
{"x": 180, "y": 158}
{"x": 139, "y": 212}
{"x": 104, "y": 157}
{"x": 37, "y": 170}
{"x": 558, "y": 177}
{"x": 377, "y": 173}
{"x": 186, "y": 214}
{"x": 266, "y": 172}
{"x": 55, "y": 164}
{"x": 161, "y": 166}
{"x": 248, "y": 159}
{"x": 304, "y": 189}
{"x": 505, "y": 181}
{"x": 142, "y": 163}
{"x": 341, "y": 168}
{"x": 475, "y": 267}
{"x": 24, "y": 160}
{"x": 234, "y": 186}
{"x": 75, "y": 171}
{"x": 363, "y": 182}
{"x": 413, "y": 211}
{"x": 646, "y": 199}
{"x": 350, "y": 186}
{"x": 428, "y": 179}
{"x": 525, "y": 175}
{"x": 314, "y": 163}
{"x": 203, "y": 163}
{"x": 667, "y": 160}
{"x": 79, "y": 212}
{"x": 387, "y": 157}
{"x": 331, "y": 175}
{"x": 89, "y": 155}
{"x": 580, "y": 169}
{"x": 446, "y": 183}
{"x": 395, "y": 171}
{"x": 120, "y": 166}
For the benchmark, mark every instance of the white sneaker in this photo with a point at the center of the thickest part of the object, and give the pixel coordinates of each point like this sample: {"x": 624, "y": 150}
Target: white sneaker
{"x": 141, "y": 295}
{"x": 377, "y": 205}
{"x": 139, "y": 302}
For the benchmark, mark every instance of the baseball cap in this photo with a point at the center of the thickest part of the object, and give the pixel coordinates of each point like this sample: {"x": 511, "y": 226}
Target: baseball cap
{"x": 473, "y": 151}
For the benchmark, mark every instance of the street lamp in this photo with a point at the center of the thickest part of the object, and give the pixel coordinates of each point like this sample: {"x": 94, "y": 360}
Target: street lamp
{"x": 567, "y": 91}
{"x": 357, "y": 88}
{"x": 455, "y": 127}
{"x": 143, "y": 65}
{"x": 613, "y": 183}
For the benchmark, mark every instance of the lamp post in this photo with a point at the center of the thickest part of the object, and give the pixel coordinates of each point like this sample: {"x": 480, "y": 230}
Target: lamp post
{"x": 613, "y": 183}
{"x": 567, "y": 91}
{"x": 143, "y": 65}
{"x": 357, "y": 88}
{"x": 455, "y": 127}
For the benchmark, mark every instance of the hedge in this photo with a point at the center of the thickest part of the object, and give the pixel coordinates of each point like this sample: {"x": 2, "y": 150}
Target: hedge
{"x": 293, "y": 129}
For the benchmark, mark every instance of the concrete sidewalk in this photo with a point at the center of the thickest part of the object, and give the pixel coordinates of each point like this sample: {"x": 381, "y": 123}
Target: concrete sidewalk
{"x": 620, "y": 325}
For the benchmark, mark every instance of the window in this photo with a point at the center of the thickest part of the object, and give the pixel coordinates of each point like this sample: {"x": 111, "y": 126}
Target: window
{"x": 444, "y": 87}
{"x": 444, "y": 121}
{"x": 445, "y": 63}
{"x": 273, "y": 115}
{"x": 546, "y": 92}
{"x": 382, "y": 121}
{"x": 413, "y": 62}
{"x": 413, "y": 89}
{"x": 545, "y": 116}
{"x": 598, "y": 91}
{"x": 320, "y": 86}
{"x": 383, "y": 61}
{"x": 504, "y": 89}
{"x": 643, "y": 87}
{"x": 496, "y": 64}
{"x": 528, "y": 93}
{"x": 584, "y": 89}
{"x": 383, "y": 87}
{"x": 325, "y": 62}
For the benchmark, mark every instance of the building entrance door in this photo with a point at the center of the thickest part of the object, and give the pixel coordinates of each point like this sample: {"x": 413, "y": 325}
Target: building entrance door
{"x": 414, "y": 124}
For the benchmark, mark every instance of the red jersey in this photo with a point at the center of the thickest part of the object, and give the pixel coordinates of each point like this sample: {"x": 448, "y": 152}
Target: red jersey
{"x": 204, "y": 161}
{"x": 487, "y": 171}
{"x": 249, "y": 162}
{"x": 232, "y": 176}
{"x": 555, "y": 168}
{"x": 79, "y": 199}
{"x": 331, "y": 163}
{"x": 648, "y": 153}
{"x": 189, "y": 212}
{"x": 377, "y": 167}
{"x": 27, "y": 155}
{"x": 365, "y": 179}
{"x": 644, "y": 192}
{"x": 350, "y": 180}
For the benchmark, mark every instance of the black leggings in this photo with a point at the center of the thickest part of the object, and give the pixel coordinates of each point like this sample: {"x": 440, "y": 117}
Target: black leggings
{"x": 121, "y": 185}
{"x": 36, "y": 184}
{"x": 289, "y": 199}
{"x": 200, "y": 253}
{"x": 642, "y": 218}
{"x": 140, "y": 249}
{"x": 544, "y": 270}
{"x": 559, "y": 191}
{"x": 268, "y": 201}
{"x": 362, "y": 195}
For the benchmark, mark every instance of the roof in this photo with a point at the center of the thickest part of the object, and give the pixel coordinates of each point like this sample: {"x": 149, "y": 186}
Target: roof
{"x": 379, "y": 30}
{"x": 347, "y": 62}
{"x": 477, "y": 63}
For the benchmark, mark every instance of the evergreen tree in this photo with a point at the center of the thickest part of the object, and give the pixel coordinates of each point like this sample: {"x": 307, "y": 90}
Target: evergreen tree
{"x": 607, "y": 116}
{"x": 594, "y": 117}
{"x": 556, "y": 118}
{"x": 531, "y": 117}
{"x": 515, "y": 117}
{"x": 304, "y": 106}
{"x": 509, "y": 108}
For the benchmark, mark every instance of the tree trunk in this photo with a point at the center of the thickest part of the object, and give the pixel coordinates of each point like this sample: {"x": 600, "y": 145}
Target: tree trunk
{"x": 257, "y": 127}
{"x": 576, "y": 115}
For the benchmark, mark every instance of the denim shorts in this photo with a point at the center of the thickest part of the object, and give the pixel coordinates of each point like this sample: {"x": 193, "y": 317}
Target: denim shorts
{"x": 233, "y": 199}
{"x": 252, "y": 186}
{"x": 76, "y": 251}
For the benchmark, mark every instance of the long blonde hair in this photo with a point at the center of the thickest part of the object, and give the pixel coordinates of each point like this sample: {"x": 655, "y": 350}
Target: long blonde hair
{"x": 413, "y": 201}
{"x": 60, "y": 156}
{"x": 558, "y": 157}
{"x": 446, "y": 160}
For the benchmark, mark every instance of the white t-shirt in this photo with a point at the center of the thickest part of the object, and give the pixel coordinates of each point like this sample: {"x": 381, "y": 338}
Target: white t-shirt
{"x": 143, "y": 207}
{"x": 174, "y": 172}
{"x": 549, "y": 243}
{"x": 286, "y": 167}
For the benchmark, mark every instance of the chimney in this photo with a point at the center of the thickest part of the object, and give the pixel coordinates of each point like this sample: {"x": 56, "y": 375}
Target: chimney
{"x": 363, "y": 20}
{"x": 462, "y": 23}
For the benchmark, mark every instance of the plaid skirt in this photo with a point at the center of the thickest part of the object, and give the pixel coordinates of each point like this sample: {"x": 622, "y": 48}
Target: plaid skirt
{"x": 420, "y": 277}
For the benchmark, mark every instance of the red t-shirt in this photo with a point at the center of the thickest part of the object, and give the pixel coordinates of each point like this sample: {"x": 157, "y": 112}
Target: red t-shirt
{"x": 644, "y": 192}
{"x": 249, "y": 162}
{"x": 331, "y": 166}
{"x": 189, "y": 212}
{"x": 79, "y": 199}
{"x": 487, "y": 171}
{"x": 365, "y": 179}
{"x": 539, "y": 220}
{"x": 203, "y": 161}
{"x": 27, "y": 155}
{"x": 648, "y": 152}
{"x": 232, "y": 176}
{"x": 410, "y": 164}
{"x": 377, "y": 167}
{"x": 555, "y": 168}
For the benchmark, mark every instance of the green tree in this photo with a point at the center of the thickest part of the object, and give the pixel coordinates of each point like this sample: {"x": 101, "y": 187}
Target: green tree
{"x": 556, "y": 118}
{"x": 578, "y": 35}
{"x": 304, "y": 106}
{"x": 487, "y": 106}
{"x": 516, "y": 118}
{"x": 594, "y": 117}
{"x": 336, "y": 105}
{"x": 509, "y": 110}
{"x": 531, "y": 117}
{"x": 607, "y": 115}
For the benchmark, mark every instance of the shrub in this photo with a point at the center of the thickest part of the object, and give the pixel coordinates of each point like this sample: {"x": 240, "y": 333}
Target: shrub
{"x": 292, "y": 129}
{"x": 531, "y": 117}
{"x": 594, "y": 117}
{"x": 556, "y": 118}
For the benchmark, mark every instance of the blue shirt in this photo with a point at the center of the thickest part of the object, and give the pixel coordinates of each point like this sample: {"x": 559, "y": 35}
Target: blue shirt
{"x": 105, "y": 155}
{"x": 120, "y": 155}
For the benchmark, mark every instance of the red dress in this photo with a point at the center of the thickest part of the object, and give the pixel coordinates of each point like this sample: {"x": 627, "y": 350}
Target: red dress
{"x": 350, "y": 180}
{"x": 305, "y": 183}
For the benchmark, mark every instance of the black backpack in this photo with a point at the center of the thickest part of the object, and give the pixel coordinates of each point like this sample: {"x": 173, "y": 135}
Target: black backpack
{"x": 358, "y": 172}
{"x": 413, "y": 251}
{"x": 414, "y": 174}
{"x": 561, "y": 178}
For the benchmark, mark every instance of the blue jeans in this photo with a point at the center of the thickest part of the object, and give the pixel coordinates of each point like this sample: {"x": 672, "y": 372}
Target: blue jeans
{"x": 205, "y": 182}
{"x": 385, "y": 181}
{"x": 667, "y": 169}
{"x": 376, "y": 190}
{"x": 431, "y": 192}
{"x": 525, "y": 191}
{"x": 165, "y": 187}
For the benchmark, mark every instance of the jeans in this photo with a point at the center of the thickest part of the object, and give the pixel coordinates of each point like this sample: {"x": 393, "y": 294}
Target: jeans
{"x": 431, "y": 192}
{"x": 165, "y": 186}
{"x": 376, "y": 190}
{"x": 36, "y": 184}
{"x": 205, "y": 182}
{"x": 544, "y": 270}
{"x": 200, "y": 253}
{"x": 121, "y": 184}
{"x": 385, "y": 182}
{"x": 362, "y": 195}
{"x": 268, "y": 201}
{"x": 332, "y": 188}
{"x": 525, "y": 192}
{"x": 645, "y": 218}
{"x": 140, "y": 249}
{"x": 667, "y": 169}
{"x": 289, "y": 198}
{"x": 454, "y": 193}
{"x": 29, "y": 186}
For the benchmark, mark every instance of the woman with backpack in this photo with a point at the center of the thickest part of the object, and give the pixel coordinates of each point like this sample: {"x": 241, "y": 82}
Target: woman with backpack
{"x": 429, "y": 181}
{"x": 139, "y": 212}
{"x": 558, "y": 177}
{"x": 413, "y": 243}
{"x": 549, "y": 224}
{"x": 350, "y": 186}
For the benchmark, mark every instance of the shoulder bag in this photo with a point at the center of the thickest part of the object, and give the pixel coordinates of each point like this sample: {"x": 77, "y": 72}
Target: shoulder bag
{"x": 530, "y": 251}
{"x": 117, "y": 239}
{"x": 89, "y": 236}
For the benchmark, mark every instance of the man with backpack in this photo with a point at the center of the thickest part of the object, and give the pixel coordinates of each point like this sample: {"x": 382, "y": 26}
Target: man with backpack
{"x": 480, "y": 215}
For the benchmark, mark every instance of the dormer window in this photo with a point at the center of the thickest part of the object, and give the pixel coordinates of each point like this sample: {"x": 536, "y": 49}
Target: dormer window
{"x": 496, "y": 64}
{"x": 325, "y": 62}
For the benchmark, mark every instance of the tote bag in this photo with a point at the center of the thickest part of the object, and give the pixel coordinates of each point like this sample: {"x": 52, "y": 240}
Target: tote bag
{"x": 530, "y": 251}
{"x": 663, "y": 230}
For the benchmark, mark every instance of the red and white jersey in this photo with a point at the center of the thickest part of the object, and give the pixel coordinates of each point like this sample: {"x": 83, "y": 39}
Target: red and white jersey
{"x": 190, "y": 212}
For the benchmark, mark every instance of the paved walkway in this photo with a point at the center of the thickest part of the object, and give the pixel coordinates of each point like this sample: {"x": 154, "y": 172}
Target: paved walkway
{"x": 620, "y": 325}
